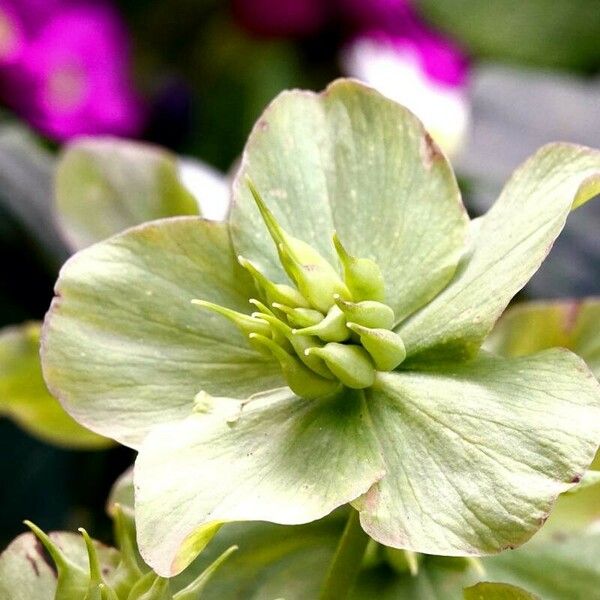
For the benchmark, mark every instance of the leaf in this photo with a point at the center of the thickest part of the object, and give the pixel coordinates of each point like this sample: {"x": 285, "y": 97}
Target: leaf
{"x": 555, "y": 570}
{"x": 124, "y": 349}
{"x": 25, "y": 398}
{"x": 497, "y": 591}
{"x": 476, "y": 453}
{"x": 27, "y": 573}
{"x": 508, "y": 245}
{"x": 104, "y": 185}
{"x": 562, "y": 33}
{"x": 353, "y": 161}
{"x": 285, "y": 460}
{"x": 532, "y": 326}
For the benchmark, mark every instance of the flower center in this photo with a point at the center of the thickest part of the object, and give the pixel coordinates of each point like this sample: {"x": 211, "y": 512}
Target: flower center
{"x": 328, "y": 329}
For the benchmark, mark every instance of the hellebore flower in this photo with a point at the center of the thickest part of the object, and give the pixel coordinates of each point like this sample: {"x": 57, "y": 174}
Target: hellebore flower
{"x": 281, "y": 17}
{"x": 355, "y": 375}
{"x": 70, "y": 75}
{"x": 418, "y": 68}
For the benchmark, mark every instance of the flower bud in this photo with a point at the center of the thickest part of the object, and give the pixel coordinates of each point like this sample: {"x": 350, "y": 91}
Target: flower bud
{"x": 300, "y": 317}
{"x": 385, "y": 347}
{"x": 303, "y": 381}
{"x": 72, "y": 581}
{"x": 300, "y": 343}
{"x": 367, "y": 313}
{"x": 362, "y": 276}
{"x": 351, "y": 364}
{"x": 274, "y": 292}
{"x": 331, "y": 329}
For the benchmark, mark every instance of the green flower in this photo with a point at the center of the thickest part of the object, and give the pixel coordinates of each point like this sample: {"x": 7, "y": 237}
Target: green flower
{"x": 355, "y": 375}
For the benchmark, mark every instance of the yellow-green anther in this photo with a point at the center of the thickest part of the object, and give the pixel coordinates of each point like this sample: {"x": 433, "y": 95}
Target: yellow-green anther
{"x": 331, "y": 329}
{"x": 303, "y": 381}
{"x": 245, "y": 323}
{"x": 362, "y": 275}
{"x": 274, "y": 292}
{"x": 367, "y": 313}
{"x": 300, "y": 343}
{"x": 72, "y": 581}
{"x": 300, "y": 317}
{"x": 194, "y": 589}
{"x": 385, "y": 347}
{"x": 351, "y": 364}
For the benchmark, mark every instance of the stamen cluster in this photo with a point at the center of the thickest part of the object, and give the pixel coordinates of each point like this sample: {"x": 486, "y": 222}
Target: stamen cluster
{"x": 328, "y": 329}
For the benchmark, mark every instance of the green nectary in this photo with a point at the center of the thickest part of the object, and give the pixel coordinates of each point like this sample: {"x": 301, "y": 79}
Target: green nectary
{"x": 328, "y": 330}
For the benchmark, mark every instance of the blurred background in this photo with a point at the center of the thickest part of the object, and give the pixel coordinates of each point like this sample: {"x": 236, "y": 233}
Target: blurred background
{"x": 492, "y": 81}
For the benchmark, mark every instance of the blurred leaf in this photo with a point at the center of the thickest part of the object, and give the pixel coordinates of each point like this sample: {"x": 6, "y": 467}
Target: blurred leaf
{"x": 26, "y": 189}
{"x": 27, "y": 573}
{"x": 497, "y": 591}
{"x": 105, "y": 185}
{"x": 530, "y": 327}
{"x": 25, "y": 399}
{"x": 550, "y": 33}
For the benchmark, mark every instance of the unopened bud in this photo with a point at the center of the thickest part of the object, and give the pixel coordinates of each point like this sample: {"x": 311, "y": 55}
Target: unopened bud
{"x": 385, "y": 347}
{"x": 331, "y": 329}
{"x": 362, "y": 275}
{"x": 300, "y": 317}
{"x": 302, "y": 381}
{"x": 351, "y": 364}
{"x": 367, "y": 313}
{"x": 274, "y": 292}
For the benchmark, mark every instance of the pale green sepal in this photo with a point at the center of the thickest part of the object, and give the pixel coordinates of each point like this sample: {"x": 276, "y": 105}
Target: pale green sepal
{"x": 194, "y": 589}
{"x": 351, "y": 364}
{"x": 330, "y": 329}
{"x": 362, "y": 275}
{"x": 508, "y": 245}
{"x": 385, "y": 347}
{"x": 344, "y": 160}
{"x": 487, "y": 445}
{"x": 590, "y": 479}
{"x": 275, "y": 292}
{"x": 179, "y": 471}
{"x": 367, "y": 313}
{"x": 301, "y": 380}
{"x": 300, "y": 317}
{"x": 72, "y": 580}
{"x": 497, "y": 591}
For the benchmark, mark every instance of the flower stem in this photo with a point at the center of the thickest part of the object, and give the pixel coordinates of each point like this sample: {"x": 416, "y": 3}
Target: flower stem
{"x": 346, "y": 561}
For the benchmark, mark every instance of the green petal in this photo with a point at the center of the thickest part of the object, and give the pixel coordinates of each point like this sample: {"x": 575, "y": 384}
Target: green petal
{"x": 497, "y": 591}
{"x": 25, "y": 398}
{"x": 285, "y": 460}
{"x": 26, "y": 571}
{"x": 124, "y": 349}
{"x": 476, "y": 453}
{"x": 353, "y": 161}
{"x": 533, "y": 326}
{"x": 509, "y": 244}
{"x": 105, "y": 185}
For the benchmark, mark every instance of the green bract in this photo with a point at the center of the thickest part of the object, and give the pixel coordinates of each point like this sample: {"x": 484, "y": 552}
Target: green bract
{"x": 355, "y": 375}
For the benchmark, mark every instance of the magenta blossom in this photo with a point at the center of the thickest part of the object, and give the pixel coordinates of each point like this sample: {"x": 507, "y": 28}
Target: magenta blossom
{"x": 281, "y": 18}
{"x": 68, "y": 74}
{"x": 367, "y": 13}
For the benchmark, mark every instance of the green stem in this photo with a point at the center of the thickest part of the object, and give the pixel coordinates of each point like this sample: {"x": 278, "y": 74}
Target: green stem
{"x": 347, "y": 560}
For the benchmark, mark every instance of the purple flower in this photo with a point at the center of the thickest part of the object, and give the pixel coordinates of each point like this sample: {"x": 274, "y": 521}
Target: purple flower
{"x": 367, "y": 13}
{"x": 281, "y": 18}
{"x": 69, "y": 75}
